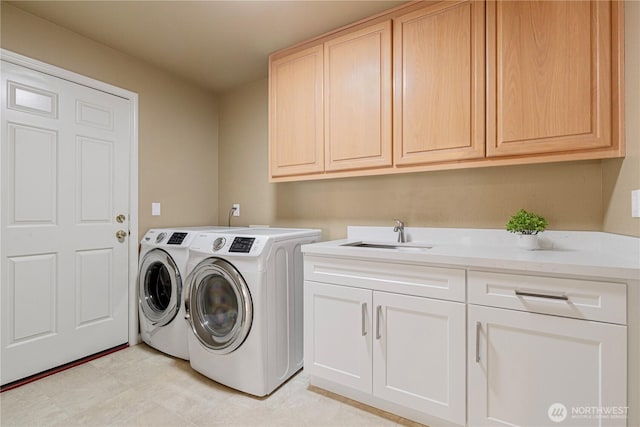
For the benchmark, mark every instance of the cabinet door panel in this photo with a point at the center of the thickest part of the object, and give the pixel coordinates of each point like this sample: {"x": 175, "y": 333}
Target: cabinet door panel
{"x": 337, "y": 344}
{"x": 529, "y": 362}
{"x": 419, "y": 354}
{"x": 439, "y": 77}
{"x": 550, "y": 76}
{"x": 358, "y": 99}
{"x": 296, "y": 135}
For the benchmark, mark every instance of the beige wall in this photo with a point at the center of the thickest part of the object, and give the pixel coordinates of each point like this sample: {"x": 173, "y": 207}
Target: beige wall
{"x": 620, "y": 177}
{"x": 178, "y": 155}
{"x": 592, "y": 195}
{"x": 178, "y": 126}
{"x": 569, "y": 194}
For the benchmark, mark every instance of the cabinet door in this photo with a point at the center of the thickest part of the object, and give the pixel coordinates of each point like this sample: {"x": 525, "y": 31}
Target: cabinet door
{"x": 337, "y": 330}
{"x": 550, "y": 76}
{"x": 296, "y": 133}
{"x": 439, "y": 110}
{"x": 358, "y": 99}
{"x": 529, "y": 369}
{"x": 419, "y": 354}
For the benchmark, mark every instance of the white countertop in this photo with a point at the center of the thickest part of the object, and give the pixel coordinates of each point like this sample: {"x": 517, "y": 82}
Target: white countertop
{"x": 577, "y": 253}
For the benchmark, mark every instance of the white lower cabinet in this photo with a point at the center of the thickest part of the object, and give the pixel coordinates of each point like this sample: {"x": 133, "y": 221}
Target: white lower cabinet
{"x": 406, "y": 350}
{"x": 528, "y": 369}
{"x": 445, "y": 346}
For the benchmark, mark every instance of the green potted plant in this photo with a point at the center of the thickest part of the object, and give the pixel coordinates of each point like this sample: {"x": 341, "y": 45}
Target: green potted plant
{"x": 527, "y": 225}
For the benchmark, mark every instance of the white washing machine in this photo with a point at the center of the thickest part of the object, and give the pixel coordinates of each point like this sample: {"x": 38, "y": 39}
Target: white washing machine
{"x": 243, "y": 302}
{"x": 161, "y": 271}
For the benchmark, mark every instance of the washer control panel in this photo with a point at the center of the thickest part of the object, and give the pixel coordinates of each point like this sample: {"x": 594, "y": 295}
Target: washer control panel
{"x": 168, "y": 237}
{"x": 176, "y": 238}
{"x": 242, "y": 244}
{"x": 225, "y": 244}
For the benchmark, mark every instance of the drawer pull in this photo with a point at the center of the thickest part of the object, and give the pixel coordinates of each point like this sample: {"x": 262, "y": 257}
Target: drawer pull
{"x": 364, "y": 319}
{"x": 537, "y": 295}
{"x": 378, "y": 316}
{"x": 478, "y": 327}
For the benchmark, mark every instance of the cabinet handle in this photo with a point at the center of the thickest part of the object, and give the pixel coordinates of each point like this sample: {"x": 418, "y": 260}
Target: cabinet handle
{"x": 478, "y": 327}
{"x": 561, "y": 297}
{"x": 378, "y": 316}
{"x": 364, "y": 319}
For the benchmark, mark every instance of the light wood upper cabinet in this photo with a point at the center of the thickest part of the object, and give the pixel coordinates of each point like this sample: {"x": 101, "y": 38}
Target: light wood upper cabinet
{"x": 451, "y": 84}
{"x": 439, "y": 83}
{"x": 552, "y": 83}
{"x": 296, "y": 126}
{"x": 358, "y": 99}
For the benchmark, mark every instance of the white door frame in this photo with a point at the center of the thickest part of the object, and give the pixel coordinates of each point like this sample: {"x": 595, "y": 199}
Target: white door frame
{"x": 17, "y": 59}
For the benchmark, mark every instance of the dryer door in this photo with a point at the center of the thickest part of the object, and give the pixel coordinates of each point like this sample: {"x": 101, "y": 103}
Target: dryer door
{"x": 159, "y": 288}
{"x": 218, "y": 305}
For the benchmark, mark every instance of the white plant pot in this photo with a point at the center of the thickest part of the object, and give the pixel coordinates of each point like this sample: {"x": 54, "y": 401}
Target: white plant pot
{"x": 530, "y": 242}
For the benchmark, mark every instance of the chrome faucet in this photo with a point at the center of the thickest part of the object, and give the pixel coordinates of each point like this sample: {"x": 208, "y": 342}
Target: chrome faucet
{"x": 399, "y": 228}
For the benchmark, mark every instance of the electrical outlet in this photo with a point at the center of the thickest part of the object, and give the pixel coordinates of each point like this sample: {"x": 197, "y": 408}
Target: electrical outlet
{"x": 635, "y": 203}
{"x": 236, "y": 209}
{"x": 155, "y": 209}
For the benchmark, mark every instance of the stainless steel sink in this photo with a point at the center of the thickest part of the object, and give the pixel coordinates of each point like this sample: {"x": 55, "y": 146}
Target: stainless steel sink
{"x": 408, "y": 247}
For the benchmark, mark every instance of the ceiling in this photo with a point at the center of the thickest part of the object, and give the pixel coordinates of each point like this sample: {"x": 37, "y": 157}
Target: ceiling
{"x": 218, "y": 45}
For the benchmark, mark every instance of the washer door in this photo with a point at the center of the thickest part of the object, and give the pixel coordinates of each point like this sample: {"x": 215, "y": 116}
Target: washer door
{"x": 159, "y": 287}
{"x": 218, "y": 305}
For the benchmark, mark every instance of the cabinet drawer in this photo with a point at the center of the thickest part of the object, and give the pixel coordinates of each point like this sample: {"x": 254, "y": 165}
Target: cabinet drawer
{"x": 409, "y": 279}
{"x": 580, "y": 299}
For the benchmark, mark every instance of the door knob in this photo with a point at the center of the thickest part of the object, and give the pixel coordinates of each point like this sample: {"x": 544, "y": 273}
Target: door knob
{"x": 120, "y": 218}
{"x": 120, "y": 235}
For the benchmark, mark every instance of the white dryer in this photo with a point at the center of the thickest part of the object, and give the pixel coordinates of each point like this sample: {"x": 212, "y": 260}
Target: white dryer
{"x": 161, "y": 270}
{"x": 243, "y": 301}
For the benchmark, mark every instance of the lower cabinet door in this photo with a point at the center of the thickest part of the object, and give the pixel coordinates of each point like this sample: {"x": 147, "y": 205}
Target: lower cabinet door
{"x": 529, "y": 369}
{"x": 337, "y": 345}
{"x": 419, "y": 354}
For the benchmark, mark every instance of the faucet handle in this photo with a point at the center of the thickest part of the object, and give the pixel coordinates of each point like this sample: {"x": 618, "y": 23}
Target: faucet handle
{"x": 399, "y": 223}
{"x": 399, "y": 228}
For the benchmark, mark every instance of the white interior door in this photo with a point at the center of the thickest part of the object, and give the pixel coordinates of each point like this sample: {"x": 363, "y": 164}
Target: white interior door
{"x": 64, "y": 178}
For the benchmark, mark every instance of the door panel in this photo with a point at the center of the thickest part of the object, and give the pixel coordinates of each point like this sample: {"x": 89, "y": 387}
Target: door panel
{"x": 549, "y": 82}
{"x": 32, "y": 175}
{"x": 520, "y": 364}
{"x": 338, "y": 325}
{"x": 439, "y": 89}
{"x": 419, "y": 354}
{"x": 29, "y": 317}
{"x": 95, "y": 177}
{"x": 358, "y": 99}
{"x": 296, "y": 134}
{"x": 97, "y": 116}
{"x": 65, "y": 177}
{"x": 93, "y": 297}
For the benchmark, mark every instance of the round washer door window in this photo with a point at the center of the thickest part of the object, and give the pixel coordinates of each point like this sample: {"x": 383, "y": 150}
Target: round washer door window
{"x": 218, "y": 305}
{"x": 159, "y": 287}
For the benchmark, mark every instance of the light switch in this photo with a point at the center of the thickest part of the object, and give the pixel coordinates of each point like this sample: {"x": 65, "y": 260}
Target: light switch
{"x": 635, "y": 203}
{"x": 155, "y": 209}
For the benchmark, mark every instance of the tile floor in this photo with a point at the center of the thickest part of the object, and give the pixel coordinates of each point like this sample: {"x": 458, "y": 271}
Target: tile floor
{"x": 139, "y": 386}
